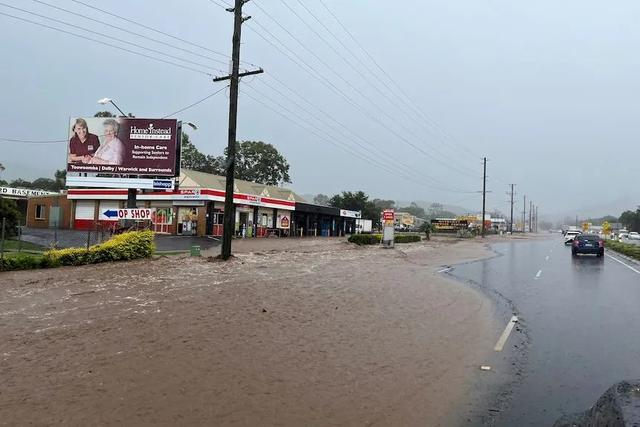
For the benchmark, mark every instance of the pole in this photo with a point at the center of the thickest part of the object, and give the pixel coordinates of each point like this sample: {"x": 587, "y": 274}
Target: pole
{"x": 2, "y": 240}
{"x": 530, "y": 215}
{"x": 536, "y": 219}
{"x": 229, "y": 213}
{"x": 511, "y": 224}
{"x": 524, "y": 216}
{"x": 20, "y": 236}
{"x": 484, "y": 193}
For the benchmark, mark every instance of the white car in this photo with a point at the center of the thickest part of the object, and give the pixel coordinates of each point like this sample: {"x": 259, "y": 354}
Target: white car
{"x": 570, "y": 235}
{"x": 634, "y": 235}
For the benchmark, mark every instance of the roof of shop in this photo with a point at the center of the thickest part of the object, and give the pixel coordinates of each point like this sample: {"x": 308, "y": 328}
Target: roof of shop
{"x": 191, "y": 178}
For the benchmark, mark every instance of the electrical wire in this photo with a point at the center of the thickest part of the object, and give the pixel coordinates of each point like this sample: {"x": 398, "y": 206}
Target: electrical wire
{"x": 317, "y": 132}
{"x": 110, "y": 25}
{"x": 430, "y": 155}
{"x": 106, "y": 44}
{"x": 107, "y": 36}
{"x": 196, "y": 103}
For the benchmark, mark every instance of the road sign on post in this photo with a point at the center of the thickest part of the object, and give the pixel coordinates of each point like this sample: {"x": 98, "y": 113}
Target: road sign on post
{"x": 388, "y": 220}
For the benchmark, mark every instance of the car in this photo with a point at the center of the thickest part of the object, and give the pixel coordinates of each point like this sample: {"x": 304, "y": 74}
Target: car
{"x": 634, "y": 235}
{"x": 570, "y": 235}
{"x": 587, "y": 244}
{"x": 622, "y": 236}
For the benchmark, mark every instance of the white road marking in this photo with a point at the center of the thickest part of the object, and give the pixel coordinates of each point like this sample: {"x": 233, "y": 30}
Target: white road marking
{"x": 505, "y": 335}
{"x": 546, "y": 258}
{"x": 444, "y": 270}
{"x": 538, "y": 274}
{"x": 623, "y": 263}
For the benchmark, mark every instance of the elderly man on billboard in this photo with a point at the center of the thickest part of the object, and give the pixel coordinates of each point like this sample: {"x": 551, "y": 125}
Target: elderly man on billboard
{"x": 111, "y": 152}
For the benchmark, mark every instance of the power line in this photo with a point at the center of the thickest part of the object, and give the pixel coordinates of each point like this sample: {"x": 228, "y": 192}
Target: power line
{"x": 196, "y": 103}
{"x": 107, "y": 36}
{"x": 106, "y": 44}
{"x": 342, "y": 134}
{"x": 391, "y": 99}
{"x": 131, "y": 21}
{"x": 372, "y": 59}
{"x": 340, "y": 124}
{"x": 315, "y": 131}
{"x": 444, "y": 163}
{"x": 110, "y": 25}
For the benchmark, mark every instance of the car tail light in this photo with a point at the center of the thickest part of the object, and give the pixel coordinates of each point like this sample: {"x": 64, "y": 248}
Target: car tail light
{"x": 601, "y": 243}
{"x": 575, "y": 242}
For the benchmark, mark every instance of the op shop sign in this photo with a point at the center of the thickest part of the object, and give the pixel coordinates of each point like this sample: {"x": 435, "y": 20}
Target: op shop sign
{"x": 144, "y": 147}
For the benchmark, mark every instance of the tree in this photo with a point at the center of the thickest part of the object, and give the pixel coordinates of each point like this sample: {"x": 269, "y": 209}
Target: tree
{"x": 631, "y": 220}
{"x": 192, "y": 158}
{"x": 104, "y": 114}
{"x": 414, "y": 210}
{"x": 260, "y": 162}
{"x": 381, "y": 204}
{"x": 357, "y": 201}
{"x": 321, "y": 199}
{"x": 20, "y": 183}
{"x": 47, "y": 184}
{"x": 9, "y": 211}
{"x": 2, "y": 167}
{"x": 61, "y": 179}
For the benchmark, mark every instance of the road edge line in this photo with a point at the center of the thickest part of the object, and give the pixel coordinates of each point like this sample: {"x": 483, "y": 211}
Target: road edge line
{"x": 505, "y": 334}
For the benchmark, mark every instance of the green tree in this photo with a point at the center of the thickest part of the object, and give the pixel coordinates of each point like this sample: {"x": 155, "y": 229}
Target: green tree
{"x": 631, "y": 220}
{"x": 260, "y": 162}
{"x": 2, "y": 167}
{"x": 104, "y": 114}
{"x": 192, "y": 158}
{"x": 357, "y": 201}
{"x": 321, "y": 199}
{"x": 47, "y": 184}
{"x": 20, "y": 183}
{"x": 414, "y": 210}
{"x": 9, "y": 211}
{"x": 61, "y": 179}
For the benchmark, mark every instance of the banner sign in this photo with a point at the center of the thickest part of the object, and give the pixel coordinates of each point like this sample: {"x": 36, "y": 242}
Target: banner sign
{"x": 132, "y": 146}
{"x": 388, "y": 216}
{"x": 137, "y": 213}
{"x": 449, "y": 224}
{"x": 112, "y": 182}
{"x": 23, "y": 192}
{"x": 349, "y": 214}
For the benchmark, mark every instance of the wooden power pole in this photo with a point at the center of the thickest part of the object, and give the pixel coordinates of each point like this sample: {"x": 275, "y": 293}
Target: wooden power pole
{"x": 484, "y": 193}
{"x": 229, "y": 211}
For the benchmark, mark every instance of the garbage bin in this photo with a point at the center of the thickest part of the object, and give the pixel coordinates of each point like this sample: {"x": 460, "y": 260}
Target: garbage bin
{"x": 195, "y": 250}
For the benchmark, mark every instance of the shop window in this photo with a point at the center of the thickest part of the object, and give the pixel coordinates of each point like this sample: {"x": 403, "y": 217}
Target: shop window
{"x": 163, "y": 216}
{"x": 40, "y": 211}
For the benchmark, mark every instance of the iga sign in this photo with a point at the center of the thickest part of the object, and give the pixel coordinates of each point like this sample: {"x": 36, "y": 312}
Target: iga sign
{"x": 388, "y": 216}
{"x": 143, "y": 213}
{"x": 145, "y": 147}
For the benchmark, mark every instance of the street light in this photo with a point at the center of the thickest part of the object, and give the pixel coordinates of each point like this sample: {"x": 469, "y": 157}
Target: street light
{"x": 105, "y": 101}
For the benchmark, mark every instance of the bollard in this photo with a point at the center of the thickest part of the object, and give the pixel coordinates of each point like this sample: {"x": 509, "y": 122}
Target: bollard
{"x": 195, "y": 250}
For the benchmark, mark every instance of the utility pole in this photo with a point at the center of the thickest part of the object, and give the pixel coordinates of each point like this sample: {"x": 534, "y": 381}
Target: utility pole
{"x": 530, "y": 215}
{"x": 484, "y": 194}
{"x": 524, "y": 215}
{"x": 536, "y": 219}
{"x": 229, "y": 211}
{"x": 512, "y": 202}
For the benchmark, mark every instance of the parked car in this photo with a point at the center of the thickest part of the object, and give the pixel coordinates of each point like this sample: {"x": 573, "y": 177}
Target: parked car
{"x": 634, "y": 235}
{"x": 570, "y": 235}
{"x": 622, "y": 236}
{"x": 587, "y": 244}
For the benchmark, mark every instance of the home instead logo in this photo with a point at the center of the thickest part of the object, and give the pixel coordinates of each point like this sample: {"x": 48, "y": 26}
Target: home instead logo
{"x": 150, "y": 133}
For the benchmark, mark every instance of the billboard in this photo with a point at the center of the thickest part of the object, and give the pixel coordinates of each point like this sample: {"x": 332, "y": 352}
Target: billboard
{"x": 447, "y": 224}
{"x": 132, "y": 146}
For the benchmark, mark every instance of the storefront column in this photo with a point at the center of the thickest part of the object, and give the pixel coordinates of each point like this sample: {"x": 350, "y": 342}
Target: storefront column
{"x": 255, "y": 221}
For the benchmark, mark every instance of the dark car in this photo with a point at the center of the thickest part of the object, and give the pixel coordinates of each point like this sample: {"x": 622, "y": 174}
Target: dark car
{"x": 587, "y": 244}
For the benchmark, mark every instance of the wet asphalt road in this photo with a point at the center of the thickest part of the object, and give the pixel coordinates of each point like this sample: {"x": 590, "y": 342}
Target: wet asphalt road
{"x": 581, "y": 323}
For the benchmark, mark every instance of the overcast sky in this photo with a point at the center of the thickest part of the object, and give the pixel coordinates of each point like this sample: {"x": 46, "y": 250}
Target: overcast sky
{"x": 546, "y": 90}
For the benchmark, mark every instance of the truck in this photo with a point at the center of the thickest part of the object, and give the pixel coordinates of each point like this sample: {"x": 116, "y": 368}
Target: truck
{"x": 364, "y": 226}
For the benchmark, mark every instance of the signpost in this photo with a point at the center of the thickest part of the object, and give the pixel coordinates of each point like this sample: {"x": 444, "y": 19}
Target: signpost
{"x": 388, "y": 219}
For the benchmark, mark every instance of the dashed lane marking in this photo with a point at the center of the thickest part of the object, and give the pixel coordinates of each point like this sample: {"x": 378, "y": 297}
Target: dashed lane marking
{"x": 444, "y": 270}
{"x": 538, "y": 274}
{"x": 546, "y": 258}
{"x": 505, "y": 335}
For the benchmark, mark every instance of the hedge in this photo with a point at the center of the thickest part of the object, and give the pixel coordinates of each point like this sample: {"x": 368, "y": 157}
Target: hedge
{"x": 123, "y": 247}
{"x": 624, "y": 248}
{"x": 374, "y": 239}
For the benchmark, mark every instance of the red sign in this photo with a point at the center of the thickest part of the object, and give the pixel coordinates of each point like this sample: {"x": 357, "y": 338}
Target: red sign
{"x": 388, "y": 215}
{"x": 284, "y": 222}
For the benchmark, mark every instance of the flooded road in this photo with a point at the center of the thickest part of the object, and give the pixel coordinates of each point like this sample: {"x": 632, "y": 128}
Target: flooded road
{"x": 580, "y": 316}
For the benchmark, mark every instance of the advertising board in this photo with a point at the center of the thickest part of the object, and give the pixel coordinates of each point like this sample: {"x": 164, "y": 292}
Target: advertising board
{"x": 445, "y": 224}
{"x": 110, "y": 145}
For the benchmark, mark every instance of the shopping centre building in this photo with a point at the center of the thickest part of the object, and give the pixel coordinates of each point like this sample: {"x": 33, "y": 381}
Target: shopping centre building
{"x": 196, "y": 207}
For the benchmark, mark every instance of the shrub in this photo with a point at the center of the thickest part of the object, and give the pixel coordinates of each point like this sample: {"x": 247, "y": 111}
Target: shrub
{"x": 407, "y": 238}
{"x": 624, "y": 248}
{"x": 365, "y": 239}
{"x": 123, "y": 247}
{"x": 20, "y": 262}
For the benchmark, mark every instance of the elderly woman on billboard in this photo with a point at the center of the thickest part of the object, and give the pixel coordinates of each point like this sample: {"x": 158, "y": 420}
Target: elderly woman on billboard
{"x": 111, "y": 152}
{"x": 83, "y": 144}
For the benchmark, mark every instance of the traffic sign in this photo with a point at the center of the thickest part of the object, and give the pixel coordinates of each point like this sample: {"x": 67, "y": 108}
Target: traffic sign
{"x": 138, "y": 213}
